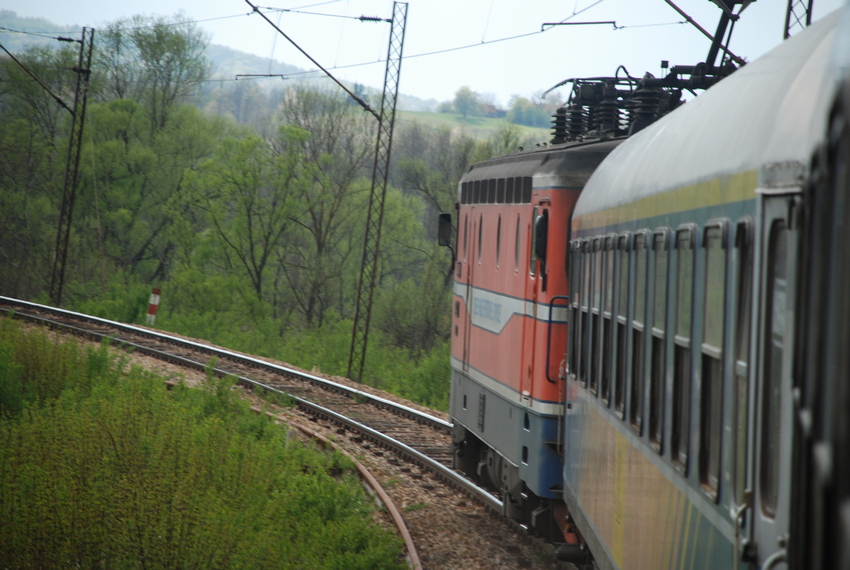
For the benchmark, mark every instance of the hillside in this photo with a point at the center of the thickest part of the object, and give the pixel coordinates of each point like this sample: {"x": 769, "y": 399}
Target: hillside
{"x": 227, "y": 62}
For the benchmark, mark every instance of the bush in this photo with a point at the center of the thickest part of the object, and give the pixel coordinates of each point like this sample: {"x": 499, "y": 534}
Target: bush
{"x": 110, "y": 469}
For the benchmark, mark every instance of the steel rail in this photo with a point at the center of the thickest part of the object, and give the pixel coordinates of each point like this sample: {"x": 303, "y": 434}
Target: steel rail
{"x": 398, "y": 409}
{"x": 412, "y": 455}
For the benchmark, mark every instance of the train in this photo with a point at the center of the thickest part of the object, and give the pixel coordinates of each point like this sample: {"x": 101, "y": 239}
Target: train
{"x": 651, "y": 320}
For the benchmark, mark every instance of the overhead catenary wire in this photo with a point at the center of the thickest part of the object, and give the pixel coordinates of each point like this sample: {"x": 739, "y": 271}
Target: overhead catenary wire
{"x": 37, "y": 80}
{"x": 360, "y": 101}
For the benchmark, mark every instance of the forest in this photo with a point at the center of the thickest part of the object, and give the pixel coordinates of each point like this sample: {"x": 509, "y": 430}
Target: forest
{"x": 244, "y": 205}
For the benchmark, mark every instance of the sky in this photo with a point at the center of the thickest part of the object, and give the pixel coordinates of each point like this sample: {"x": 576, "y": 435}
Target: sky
{"x": 494, "y": 47}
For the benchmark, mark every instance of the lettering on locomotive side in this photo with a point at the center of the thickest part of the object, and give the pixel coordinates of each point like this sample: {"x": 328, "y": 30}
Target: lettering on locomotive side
{"x": 487, "y": 310}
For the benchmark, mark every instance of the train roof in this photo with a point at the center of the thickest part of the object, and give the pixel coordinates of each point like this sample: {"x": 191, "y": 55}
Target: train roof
{"x": 768, "y": 112}
{"x": 574, "y": 162}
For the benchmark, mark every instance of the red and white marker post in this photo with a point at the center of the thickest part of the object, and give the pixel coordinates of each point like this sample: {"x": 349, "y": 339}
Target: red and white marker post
{"x": 153, "y": 305}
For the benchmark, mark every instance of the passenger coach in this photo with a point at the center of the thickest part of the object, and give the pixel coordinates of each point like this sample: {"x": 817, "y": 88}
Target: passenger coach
{"x": 684, "y": 260}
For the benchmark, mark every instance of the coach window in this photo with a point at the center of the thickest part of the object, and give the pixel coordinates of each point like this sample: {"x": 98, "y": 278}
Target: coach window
{"x": 659, "y": 325}
{"x": 711, "y": 386}
{"x": 622, "y": 325}
{"x": 773, "y": 355}
{"x": 584, "y": 316}
{"x": 607, "y": 316}
{"x": 575, "y": 280}
{"x": 480, "y": 236}
{"x": 499, "y": 242}
{"x": 682, "y": 347}
{"x": 500, "y": 191}
{"x": 743, "y": 287}
{"x": 638, "y": 320}
{"x": 596, "y": 302}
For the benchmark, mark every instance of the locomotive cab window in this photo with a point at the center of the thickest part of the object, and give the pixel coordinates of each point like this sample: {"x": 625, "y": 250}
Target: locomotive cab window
{"x": 657, "y": 361}
{"x": 682, "y": 348}
{"x": 518, "y": 241}
{"x": 621, "y": 353}
{"x": 638, "y": 319}
{"x": 499, "y": 242}
{"x": 465, "y": 235}
{"x": 532, "y": 259}
{"x": 480, "y": 236}
{"x": 711, "y": 396}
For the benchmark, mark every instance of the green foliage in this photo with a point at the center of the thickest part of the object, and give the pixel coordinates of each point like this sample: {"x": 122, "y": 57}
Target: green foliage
{"x": 467, "y": 103}
{"x": 117, "y": 471}
{"x": 524, "y": 112}
{"x": 254, "y": 235}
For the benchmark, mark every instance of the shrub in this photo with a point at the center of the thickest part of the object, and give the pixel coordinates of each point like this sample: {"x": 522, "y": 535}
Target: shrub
{"x": 108, "y": 468}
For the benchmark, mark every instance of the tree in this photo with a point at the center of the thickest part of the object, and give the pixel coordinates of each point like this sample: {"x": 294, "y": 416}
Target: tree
{"x": 467, "y": 103}
{"x": 340, "y": 146}
{"x": 249, "y": 195}
{"x": 157, "y": 61}
{"x": 523, "y": 112}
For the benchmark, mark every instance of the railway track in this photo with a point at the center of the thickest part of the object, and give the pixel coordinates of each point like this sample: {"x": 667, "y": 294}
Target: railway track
{"x": 413, "y": 435}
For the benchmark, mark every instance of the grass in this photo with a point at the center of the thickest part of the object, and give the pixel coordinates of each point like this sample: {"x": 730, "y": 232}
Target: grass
{"x": 102, "y": 467}
{"x": 480, "y": 128}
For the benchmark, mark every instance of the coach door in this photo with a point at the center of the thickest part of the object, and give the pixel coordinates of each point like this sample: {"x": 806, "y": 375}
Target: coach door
{"x": 771, "y": 458}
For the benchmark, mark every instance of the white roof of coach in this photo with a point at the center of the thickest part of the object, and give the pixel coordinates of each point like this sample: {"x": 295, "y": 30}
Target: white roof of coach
{"x": 769, "y": 111}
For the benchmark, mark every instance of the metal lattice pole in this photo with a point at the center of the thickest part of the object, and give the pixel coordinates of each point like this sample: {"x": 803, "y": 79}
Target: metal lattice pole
{"x": 72, "y": 167}
{"x": 375, "y": 213}
{"x": 797, "y": 15}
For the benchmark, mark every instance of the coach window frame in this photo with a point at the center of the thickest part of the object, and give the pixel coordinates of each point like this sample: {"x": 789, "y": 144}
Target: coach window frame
{"x": 595, "y": 300}
{"x": 715, "y": 236}
{"x": 621, "y": 368}
{"x": 607, "y": 311}
{"x": 682, "y": 376}
{"x": 575, "y": 295}
{"x": 743, "y": 265}
{"x": 658, "y": 336}
{"x": 584, "y": 311}
{"x": 640, "y": 253}
{"x": 772, "y": 354}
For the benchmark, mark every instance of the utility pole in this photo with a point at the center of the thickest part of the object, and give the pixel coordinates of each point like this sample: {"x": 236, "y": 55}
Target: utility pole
{"x": 72, "y": 166}
{"x": 378, "y": 192}
{"x": 797, "y": 15}
{"x": 380, "y": 174}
